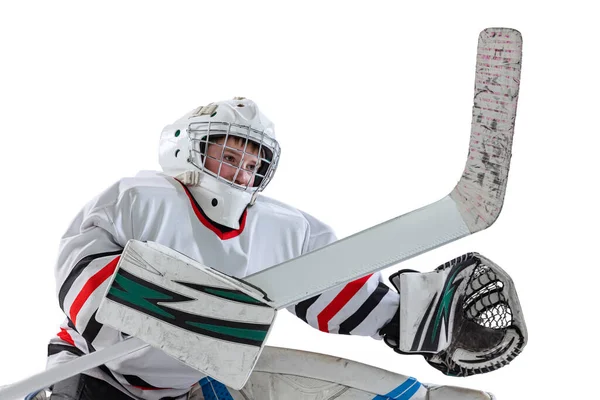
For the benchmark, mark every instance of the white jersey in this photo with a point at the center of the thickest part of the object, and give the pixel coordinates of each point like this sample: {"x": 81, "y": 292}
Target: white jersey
{"x": 155, "y": 207}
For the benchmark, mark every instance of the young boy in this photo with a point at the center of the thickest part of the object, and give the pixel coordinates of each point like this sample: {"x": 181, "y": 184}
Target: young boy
{"x": 205, "y": 204}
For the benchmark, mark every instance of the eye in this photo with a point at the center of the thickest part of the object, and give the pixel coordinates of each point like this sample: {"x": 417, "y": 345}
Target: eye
{"x": 251, "y": 167}
{"x": 229, "y": 159}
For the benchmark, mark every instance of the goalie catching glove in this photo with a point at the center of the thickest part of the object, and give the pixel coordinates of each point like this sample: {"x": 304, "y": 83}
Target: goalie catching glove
{"x": 464, "y": 317}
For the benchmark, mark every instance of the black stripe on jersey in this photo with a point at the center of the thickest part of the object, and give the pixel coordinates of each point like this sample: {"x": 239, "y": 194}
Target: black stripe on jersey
{"x": 364, "y": 310}
{"x": 91, "y": 329}
{"x": 139, "y": 382}
{"x": 76, "y": 271}
{"x": 302, "y": 307}
{"x": 57, "y": 348}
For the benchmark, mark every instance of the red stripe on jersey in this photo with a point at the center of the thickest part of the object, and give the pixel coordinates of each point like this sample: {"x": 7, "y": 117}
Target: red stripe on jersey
{"x": 208, "y": 223}
{"x": 90, "y": 286}
{"x": 339, "y": 302}
{"x": 64, "y": 335}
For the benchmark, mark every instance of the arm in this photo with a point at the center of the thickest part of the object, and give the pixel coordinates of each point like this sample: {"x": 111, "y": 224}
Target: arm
{"x": 361, "y": 307}
{"x": 464, "y": 317}
{"x": 88, "y": 254}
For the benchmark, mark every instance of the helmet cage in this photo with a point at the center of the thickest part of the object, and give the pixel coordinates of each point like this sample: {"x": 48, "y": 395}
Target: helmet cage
{"x": 201, "y": 134}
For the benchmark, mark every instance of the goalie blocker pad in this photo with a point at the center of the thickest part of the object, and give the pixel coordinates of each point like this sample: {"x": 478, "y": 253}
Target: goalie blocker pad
{"x": 464, "y": 317}
{"x": 210, "y": 321}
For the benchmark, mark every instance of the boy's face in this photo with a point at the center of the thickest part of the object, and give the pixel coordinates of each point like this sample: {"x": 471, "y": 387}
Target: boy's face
{"x": 232, "y": 159}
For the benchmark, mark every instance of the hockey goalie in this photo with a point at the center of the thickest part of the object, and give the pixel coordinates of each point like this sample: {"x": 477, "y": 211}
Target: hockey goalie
{"x": 463, "y": 317}
{"x": 185, "y": 265}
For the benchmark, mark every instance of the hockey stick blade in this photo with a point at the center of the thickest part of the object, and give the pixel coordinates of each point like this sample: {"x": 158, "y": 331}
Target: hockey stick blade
{"x": 473, "y": 205}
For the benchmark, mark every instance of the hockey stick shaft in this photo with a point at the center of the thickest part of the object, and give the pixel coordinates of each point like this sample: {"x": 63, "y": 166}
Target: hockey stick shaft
{"x": 358, "y": 255}
{"x": 473, "y": 205}
{"x": 64, "y": 371}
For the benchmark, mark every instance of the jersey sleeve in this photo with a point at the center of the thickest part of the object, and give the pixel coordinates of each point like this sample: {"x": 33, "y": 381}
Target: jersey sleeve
{"x": 88, "y": 255}
{"x": 360, "y": 307}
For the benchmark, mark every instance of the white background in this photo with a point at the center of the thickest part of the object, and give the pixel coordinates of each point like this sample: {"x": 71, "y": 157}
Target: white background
{"x": 372, "y": 105}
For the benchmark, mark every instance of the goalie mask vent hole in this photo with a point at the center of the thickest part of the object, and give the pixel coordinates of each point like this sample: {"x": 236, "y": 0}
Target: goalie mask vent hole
{"x": 176, "y": 153}
{"x": 213, "y": 114}
{"x": 177, "y": 133}
{"x": 214, "y": 202}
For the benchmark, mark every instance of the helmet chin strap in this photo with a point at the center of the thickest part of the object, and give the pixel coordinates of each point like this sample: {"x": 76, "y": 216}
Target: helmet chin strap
{"x": 253, "y": 198}
{"x": 221, "y": 202}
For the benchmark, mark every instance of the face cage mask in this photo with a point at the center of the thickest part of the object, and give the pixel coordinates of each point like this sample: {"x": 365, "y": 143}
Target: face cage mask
{"x": 205, "y": 134}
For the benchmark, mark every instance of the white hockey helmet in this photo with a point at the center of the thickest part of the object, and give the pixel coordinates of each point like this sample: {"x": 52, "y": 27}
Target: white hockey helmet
{"x": 183, "y": 154}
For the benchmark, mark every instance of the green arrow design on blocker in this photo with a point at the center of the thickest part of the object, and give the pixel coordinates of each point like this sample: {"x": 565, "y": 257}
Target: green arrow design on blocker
{"x": 238, "y": 296}
{"x": 139, "y": 295}
{"x": 153, "y": 300}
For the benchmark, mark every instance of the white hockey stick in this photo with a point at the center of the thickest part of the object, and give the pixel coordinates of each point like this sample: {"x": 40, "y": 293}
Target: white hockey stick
{"x": 473, "y": 205}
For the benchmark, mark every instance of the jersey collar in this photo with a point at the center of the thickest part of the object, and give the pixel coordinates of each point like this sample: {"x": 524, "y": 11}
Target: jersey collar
{"x": 223, "y": 232}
